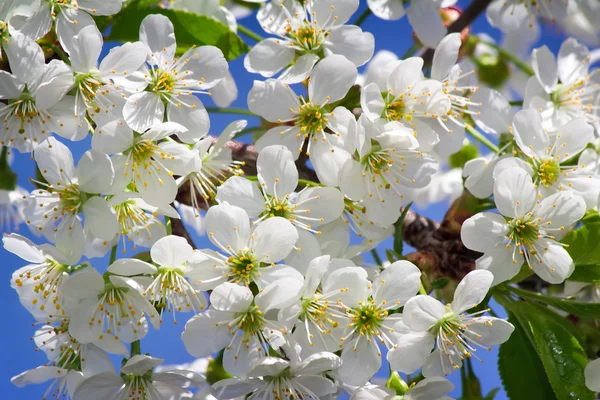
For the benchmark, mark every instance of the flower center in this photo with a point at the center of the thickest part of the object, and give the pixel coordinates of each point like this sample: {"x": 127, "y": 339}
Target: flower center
{"x": 278, "y": 207}
{"x": 311, "y": 119}
{"x": 250, "y": 321}
{"x": 88, "y": 85}
{"x": 396, "y": 110}
{"x": 548, "y": 172}
{"x": 143, "y": 151}
{"x": 524, "y": 231}
{"x": 307, "y": 37}
{"x": 25, "y": 109}
{"x": 71, "y": 198}
{"x": 137, "y": 386}
{"x": 243, "y": 268}
{"x": 162, "y": 82}
{"x": 367, "y": 318}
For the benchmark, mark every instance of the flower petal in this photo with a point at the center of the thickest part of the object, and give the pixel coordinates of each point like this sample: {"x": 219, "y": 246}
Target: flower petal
{"x": 331, "y": 79}
{"x": 471, "y": 290}
{"x": 422, "y": 312}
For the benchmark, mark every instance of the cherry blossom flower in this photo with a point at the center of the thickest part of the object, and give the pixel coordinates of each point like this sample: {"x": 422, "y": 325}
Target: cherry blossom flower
{"x": 249, "y": 256}
{"x": 307, "y": 33}
{"x": 173, "y": 82}
{"x": 114, "y": 305}
{"x": 307, "y": 119}
{"x": 274, "y": 193}
{"x": 217, "y": 165}
{"x": 71, "y": 191}
{"x": 457, "y": 334}
{"x": 434, "y": 388}
{"x": 138, "y": 381}
{"x": 37, "y": 104}
{"x": 241, "y": 323}
{"x": 562, "y": 87}
{"x": 545, "y": 153}
{"x": 527, "y": 229}
{"x": 276, "y": 378}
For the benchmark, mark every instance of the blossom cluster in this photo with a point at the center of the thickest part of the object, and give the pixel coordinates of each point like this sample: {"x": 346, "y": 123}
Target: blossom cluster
{"x": 282, "y": 293}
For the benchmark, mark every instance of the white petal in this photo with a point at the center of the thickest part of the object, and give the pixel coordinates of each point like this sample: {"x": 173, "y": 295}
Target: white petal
{"x": 123, "y": 60}
{"x": 276, "y": 171}
{"x": 491, "y": 331}
{"x": 279, "y": 294}
{"x": 386, "y": 9}
{"x": 287, "y": 136}
{"x": 529, "y": 133}
{"x": 573, "y": 59}
{"x": 225, "y": 92}
{"x": 300, "y": 70}
{"x": 396, "y": 284}
{"x": 242, "y": 193}
{"x": 325, "y": 204}
{"x": 193, "y": 116}
{"x": 97, "y": 387}
{"x": 156, "y": 32}
{"x": 426, "y": 22}
{"x": 562, "y": 209}
{"x": 351, "y": 183}
{"x": 328, "y": 158}
{"x": 438, "y": 364}
{"x": 84, "y": 49}
{"x": 228, "y": 225}
{"x": 171, "y": 251}
{"x": 499, "y": 261}
{"x": 445, "y": 56}
{"x": 23, "y": 248}
{"x": 514, "y": 192}
{"x": 471, "y": 290}
{"x": 545, "y": 68}
{"x": 206, "y": 333}
{"x": 131, "y": 267}
{"x": 351, "y": 42}
{"x": 231, "y": 297}
{"x": 592, "y": 375}
{"x": 143, "y": 110}
{"x": 484, "y": 231}
{"x": 268, "y": 366}
{"x": 495, "y": 114}
{"x": 204, "y": 64}
{"x": 430, "y": 388}
{"x": 331, "y": 79}
{"x": 101, "y": 218}
{"x": 351, "y": 278}
{"x": 422, "y": 312}
{"x": 268, "y": 57}
{"x": 273, "y": 100}
{"x": 10, "y": 86}
{"x": 52, "y": 85}
{"x": 55, "y": 162}
{"x": 405, "y": 75}
{"x": 113, "y": 137}
{"x": 410, "y": 353}
{"x": 25, "y": 57}
{"x": 38, "y": 375}
{"x": 84, "y": 284}
{"x": 95, "y": 172}
{"x": 371, "y": 101}
{"x": 272, "y": 240}
{"x": 360, "y": 361}
{"x": 140, "y": 364}
{"x": 572, "y": 138}
{"x": 554, "y": 264}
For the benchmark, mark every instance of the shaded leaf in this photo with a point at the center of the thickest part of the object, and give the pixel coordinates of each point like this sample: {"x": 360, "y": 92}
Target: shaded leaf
{"x": 190, "y": 29}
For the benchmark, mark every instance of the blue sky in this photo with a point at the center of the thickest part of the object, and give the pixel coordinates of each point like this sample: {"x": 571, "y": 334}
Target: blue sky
{"x": 19, "y": 355}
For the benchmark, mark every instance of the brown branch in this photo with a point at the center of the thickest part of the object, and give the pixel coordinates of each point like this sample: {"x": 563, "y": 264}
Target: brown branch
{"x": 465, "y": 19}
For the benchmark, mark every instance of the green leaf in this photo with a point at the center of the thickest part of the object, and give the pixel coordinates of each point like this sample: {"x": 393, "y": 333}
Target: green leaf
{"x": 491, "y": 394}
{"x": 585, "y": 252}
{"x": 190, "y": 29}
{"x": 521, "y": 368}
{"x": 440, "y": 283}
{"x": 559, "y": 350}
{"x": 570, "y": 306}
{"x": 398, "y": 243}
